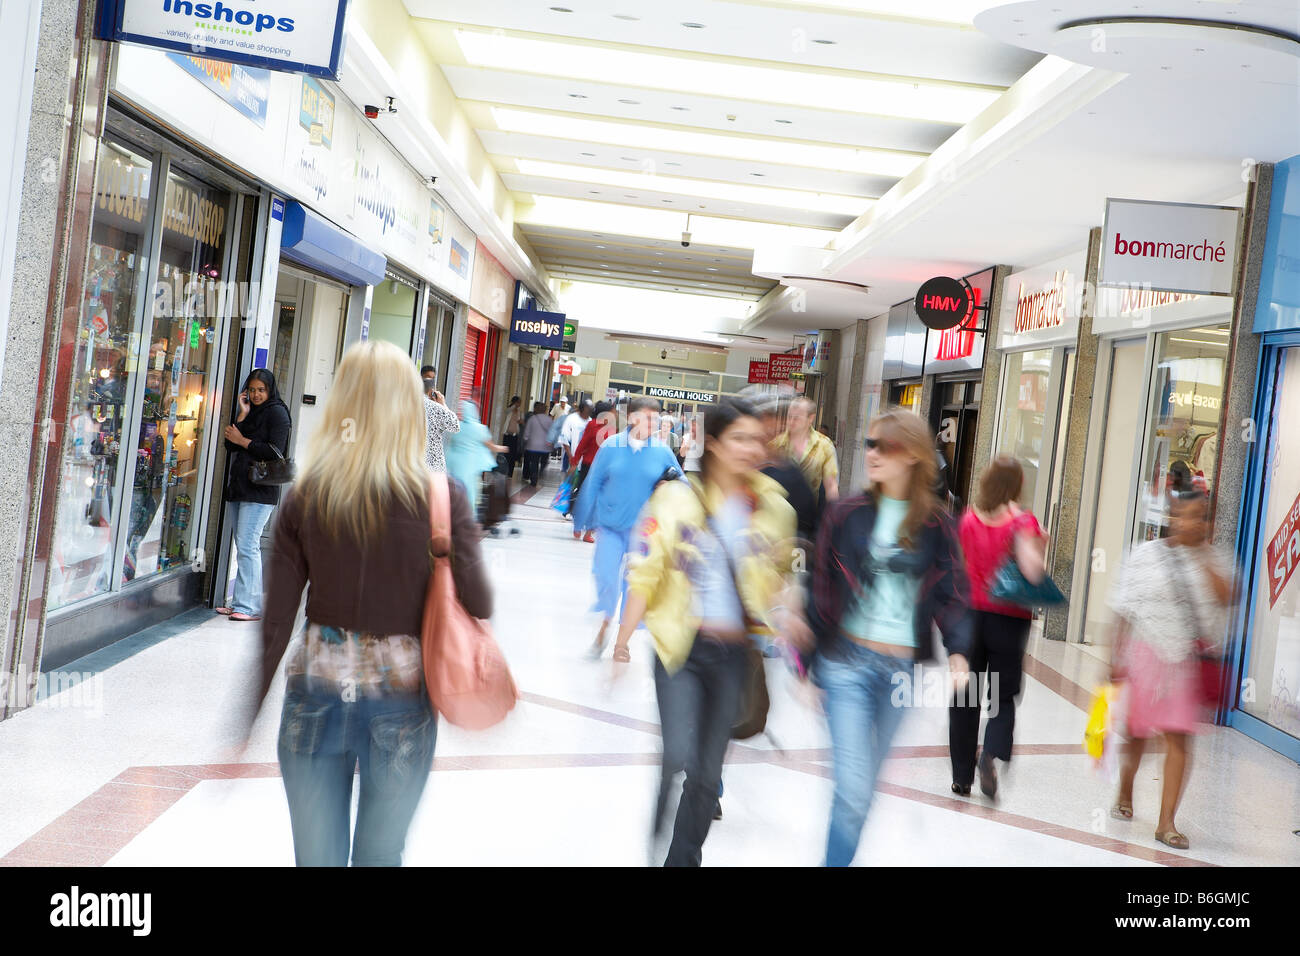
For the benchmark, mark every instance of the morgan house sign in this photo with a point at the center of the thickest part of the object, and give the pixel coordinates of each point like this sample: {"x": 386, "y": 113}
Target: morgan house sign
{"x": 682, "y": 395}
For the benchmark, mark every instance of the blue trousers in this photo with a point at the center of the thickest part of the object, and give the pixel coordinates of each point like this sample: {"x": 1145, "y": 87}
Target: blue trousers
{"x": 324, "y": 737}
{"x": 249, "y": 518}
{"x": 863, "y": 720}
{"x": 607, "y": 567}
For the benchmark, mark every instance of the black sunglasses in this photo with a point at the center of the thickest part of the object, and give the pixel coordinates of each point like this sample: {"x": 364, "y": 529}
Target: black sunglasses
{"x": 885, "y": 446}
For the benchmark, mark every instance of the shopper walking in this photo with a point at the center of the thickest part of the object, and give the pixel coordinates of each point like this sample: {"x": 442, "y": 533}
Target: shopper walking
{"x": 622, "y": 477}
{"x": 603, "y": 424}
{"x": 571, "y": 431}
{"x": 536, "y": 446}
{"x": 1170, "y": 601}
{"x": 713, "y": 563}
{"x": 354, "y": 532}
{"x": 778, "y": 466}
{"x": 887, "y": 569}
{"x": 511, "y": 437}
{"x": 260, "y": 433}
{"x": 992, "y": 532}
{"x": 439, "y": 420}
{"x": 811, "y": 451}
{"x": 470, "y": 452}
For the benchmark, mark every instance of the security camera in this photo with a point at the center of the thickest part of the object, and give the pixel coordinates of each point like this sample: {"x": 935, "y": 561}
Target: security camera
{"x": 664, "y": 354}
{"x": 686, "y": 239}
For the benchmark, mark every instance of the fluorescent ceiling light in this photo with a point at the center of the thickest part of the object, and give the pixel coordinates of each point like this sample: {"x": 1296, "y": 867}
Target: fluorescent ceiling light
{"x": 941, "y": 11}
{"x": 758, "y": 195}
{"x": 871, "y": 162}
{"x": 936, "y": 101}
{"x": 585, "y": 216}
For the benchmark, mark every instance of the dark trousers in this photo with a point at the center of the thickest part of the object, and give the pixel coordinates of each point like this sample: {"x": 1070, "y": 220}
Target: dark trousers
{"x": 534, "y": 465}
{"x": 996, "y": 661}
{"x": 513, "y": 454}
{"x": 698, "y": 707}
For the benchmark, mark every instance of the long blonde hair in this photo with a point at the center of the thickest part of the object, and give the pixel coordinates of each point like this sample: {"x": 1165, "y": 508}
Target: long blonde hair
{"x": 909, "y": 430}
{"x": 368, "y": 453}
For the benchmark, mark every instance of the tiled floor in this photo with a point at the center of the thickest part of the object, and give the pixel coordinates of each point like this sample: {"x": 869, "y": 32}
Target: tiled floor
{"x": 139, "y": 769}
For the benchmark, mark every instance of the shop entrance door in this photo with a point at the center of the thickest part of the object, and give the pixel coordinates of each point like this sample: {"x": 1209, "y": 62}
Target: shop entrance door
{"x": 954, "y": 421}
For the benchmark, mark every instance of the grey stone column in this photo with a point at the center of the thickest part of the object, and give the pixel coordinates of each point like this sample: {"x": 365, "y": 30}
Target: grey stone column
{"x": 1237, "y": 429}
{"x": 1056, "y": 622}
{"x": 991, "y": 382}
{"x": 855, "y": 424}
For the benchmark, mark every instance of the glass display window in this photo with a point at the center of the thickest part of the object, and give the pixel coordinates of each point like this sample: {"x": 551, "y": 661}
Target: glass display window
{"x": 1023, "y": 427}
{"x": 178, "y": 364}
{"x": 104, "y": 373}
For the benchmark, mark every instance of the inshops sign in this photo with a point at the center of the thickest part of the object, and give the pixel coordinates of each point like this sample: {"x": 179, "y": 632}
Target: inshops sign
{"x": 295, "y": 36}
{"x": 542, "y": 329}
{"x": 1170, "y": 247}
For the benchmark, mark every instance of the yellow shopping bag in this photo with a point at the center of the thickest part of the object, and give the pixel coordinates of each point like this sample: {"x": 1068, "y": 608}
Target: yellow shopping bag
{"x": 1094, "y": 735}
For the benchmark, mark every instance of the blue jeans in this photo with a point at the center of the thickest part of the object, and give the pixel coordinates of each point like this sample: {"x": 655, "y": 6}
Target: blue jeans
{"x": 607, "y": 566}
{"x": 862, "y": 722}
{"x": 249, "y": 519}
{"x": 323, "y": 738}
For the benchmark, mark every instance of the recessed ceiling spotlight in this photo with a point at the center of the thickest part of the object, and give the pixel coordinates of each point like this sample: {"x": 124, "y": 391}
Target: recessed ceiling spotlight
{"x": 594, "y": 192}
{"x": 713, "y": 268}
{"x": 562, "y": 9}
{"x": 629, "y": 196}
{"x": 682, "y": 109}
{"x": 600, "y": 247}
{"x": 1199, "y": 49}
{"x": 588, "y": 154}
{"x": 626, "y": 16}
{"x": 671, "y": 163}
{"x": 628, "y": 159}
{"x": 758, "y": 174}
{"x": 1166, "y": 68}
{"x": 578, "y": 96}
{"x": 654, "y": 270}
{"x": 785, "y": 122}
{"x": 630, "y": 102}
{"x": 667, "y": 200}
{"x": 692, "y": 25}
{"x": 825, "y": 42}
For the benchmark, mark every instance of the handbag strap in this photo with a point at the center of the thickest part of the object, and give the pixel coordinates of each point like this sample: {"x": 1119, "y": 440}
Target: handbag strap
{"x": 750, "y": 623}
{"x": 439, "y": 519}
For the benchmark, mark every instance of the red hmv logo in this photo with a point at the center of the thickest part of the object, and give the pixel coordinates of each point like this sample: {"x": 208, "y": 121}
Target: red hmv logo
{"x": 942, "y": 303}
{"x": 946, "y": 303}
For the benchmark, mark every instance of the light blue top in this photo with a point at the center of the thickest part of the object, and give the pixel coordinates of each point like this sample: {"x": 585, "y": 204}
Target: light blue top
{"x": 620, "y": 482}
{"x": 885, "y": 613}
{"x": 713, "y": 587}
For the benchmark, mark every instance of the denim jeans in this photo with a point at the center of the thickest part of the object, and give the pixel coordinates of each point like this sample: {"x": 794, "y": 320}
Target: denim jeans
{"x": 323, "y": 738}
{"x": 862, "y": 722}
{"x": 249, "y": 519}
{"x": 698, "y": 707}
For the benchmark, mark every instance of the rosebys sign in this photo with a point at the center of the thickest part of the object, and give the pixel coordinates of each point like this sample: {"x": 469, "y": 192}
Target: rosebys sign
{"x": 544, "y": 329}
{"x": 1170, "y": 247}
{"x": 1284, "y": 552}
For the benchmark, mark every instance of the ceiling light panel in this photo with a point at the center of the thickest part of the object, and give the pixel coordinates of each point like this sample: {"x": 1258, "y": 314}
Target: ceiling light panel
{"x": 872, "y": 162}
{"x": 938, "y": 11}
{"x": 757, "y": 195}
{"x": 922, "y": 100}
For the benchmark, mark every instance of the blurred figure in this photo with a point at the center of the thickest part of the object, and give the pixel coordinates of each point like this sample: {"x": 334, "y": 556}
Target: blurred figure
{"x": 571, "y": 431}
{"x": 470, "y": 452}
{"x": 710, "y": 564}
{"x": 599, "y": 427}
{"x": 994, "y": 530}
{"x": 669, "y": 437}
{"x": 622, "y": 476}
{"x": 888, "y": 568}
{"x": 1170, "y": 601}
{"x": 510, "y": 437}
{"x": 811, "y": 451}
{"x": 260, "y": 432}
{"x": 355, "y": 532}
{"x": 536, "y": 446}
{"x": 778, "y": 466}
{"x": 438, "y": 421}
{"x": 427, "y": 375}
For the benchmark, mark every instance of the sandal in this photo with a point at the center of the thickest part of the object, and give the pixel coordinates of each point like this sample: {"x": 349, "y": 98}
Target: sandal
{"x": 224, "y": 610}
{"x": 1173, "y": 838}
{"x": 1122, "y": 811}
{"x": 241, "y": 616}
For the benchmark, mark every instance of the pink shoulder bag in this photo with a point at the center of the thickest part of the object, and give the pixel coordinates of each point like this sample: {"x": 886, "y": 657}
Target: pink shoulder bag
{"x": 468, "y": 680}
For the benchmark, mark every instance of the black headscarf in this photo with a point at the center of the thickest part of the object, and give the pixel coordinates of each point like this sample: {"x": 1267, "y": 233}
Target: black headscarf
{"x": 255, "y": 412}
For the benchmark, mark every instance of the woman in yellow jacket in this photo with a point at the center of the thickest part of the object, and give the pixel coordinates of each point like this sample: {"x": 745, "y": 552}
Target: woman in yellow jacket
{"x": 710, "y": 565}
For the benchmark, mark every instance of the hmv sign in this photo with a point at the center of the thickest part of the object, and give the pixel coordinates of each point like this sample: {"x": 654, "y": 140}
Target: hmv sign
{"x": 942, "y": 303}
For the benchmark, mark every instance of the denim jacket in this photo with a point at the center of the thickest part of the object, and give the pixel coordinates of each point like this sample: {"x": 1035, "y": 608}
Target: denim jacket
{"x": 842, "y": 571}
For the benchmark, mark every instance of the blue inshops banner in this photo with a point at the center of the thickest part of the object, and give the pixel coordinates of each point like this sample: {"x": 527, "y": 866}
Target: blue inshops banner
{"x": 246, "y": 88}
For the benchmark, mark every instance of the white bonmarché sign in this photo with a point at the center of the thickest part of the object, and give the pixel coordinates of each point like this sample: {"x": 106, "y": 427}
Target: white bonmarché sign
{"x": 1170, "y": 247}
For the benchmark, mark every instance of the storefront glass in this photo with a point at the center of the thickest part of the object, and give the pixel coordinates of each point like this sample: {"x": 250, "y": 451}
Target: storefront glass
{"x": 180, "y": 361}
{"x": 1273, "y": 668}
{"x": 392, "y": 313}
{"x": 1182, "y": 436}
{"x": 103, "y": 377}
{"x": 1022, "y": 430}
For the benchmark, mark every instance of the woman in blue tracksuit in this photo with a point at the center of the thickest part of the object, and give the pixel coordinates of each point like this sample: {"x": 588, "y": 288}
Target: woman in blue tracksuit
{"x": 620, "y": 482}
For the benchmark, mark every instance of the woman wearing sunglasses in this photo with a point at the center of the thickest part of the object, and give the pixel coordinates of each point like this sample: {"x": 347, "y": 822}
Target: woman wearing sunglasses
{"x": 888, "y": 566}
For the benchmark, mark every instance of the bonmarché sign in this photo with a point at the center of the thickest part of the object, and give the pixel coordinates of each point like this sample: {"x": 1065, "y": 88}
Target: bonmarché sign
{"x": 682, "y": 395}
{"x": 295, "y": 36}
{"x": 1170, "y": 247}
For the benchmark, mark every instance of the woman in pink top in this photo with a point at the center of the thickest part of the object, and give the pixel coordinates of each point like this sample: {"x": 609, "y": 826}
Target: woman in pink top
{"x": 992, "y": 531}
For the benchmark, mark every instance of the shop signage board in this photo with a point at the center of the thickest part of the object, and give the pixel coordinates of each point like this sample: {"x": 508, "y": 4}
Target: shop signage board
{"x": 295, "y": 36}
{"x": 942, "y": 303}
{"x": 1041, "y": 305}
{"x": 960, "y": 348}
{"x": 246, "y": 88}
{"x": 1284, "y": 552}
{"x": 682, "y": 395}
{"x": 759, "y": 373}
{"x": 781, "y": 366}
{"x": 543, "y": 329}
{"x": 1170, "y": 247}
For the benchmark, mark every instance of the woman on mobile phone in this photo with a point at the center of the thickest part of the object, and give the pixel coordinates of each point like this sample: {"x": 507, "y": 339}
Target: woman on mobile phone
{"x": 260, "y": 432}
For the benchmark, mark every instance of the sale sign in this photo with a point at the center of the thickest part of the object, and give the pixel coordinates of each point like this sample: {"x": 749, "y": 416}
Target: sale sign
{"x": 1284, "y": 552}
{"x": 782, "y": 366}
{"x": 759, "y": 373}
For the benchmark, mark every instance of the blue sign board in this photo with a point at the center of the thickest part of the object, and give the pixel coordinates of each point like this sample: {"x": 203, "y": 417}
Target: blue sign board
{"x": 293, "y": 36}
{"x": 314, "y": 241}
{"x": 543, "y": 329}
{"x": 246, "y": 88}
{"x": 1278, "y": 308}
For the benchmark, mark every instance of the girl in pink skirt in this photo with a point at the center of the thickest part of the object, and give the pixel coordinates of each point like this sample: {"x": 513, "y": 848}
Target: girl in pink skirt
{"x": 1170, "y": 594}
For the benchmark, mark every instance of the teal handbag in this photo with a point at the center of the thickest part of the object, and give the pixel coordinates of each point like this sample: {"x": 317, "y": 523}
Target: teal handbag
{"x": 1010, "y": 586}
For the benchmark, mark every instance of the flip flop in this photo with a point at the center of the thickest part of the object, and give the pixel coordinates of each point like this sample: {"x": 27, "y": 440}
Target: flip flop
{"x": 240, "y": 616}
{"x": 224, "y": 610}
{"x": 1173, "y": 838}
{"x": 1122, "y": 811}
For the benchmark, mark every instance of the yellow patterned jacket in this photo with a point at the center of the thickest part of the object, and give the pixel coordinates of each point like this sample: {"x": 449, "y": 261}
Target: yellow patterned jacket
{"x": 666, "y": 546}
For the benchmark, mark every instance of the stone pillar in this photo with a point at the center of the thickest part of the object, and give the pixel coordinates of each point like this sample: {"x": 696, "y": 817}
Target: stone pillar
{"x": 991, "y": 382}
{"x": 1237, "y": 430}
{"x": 855, "y": 424}
{"x": 1055, "y": 624}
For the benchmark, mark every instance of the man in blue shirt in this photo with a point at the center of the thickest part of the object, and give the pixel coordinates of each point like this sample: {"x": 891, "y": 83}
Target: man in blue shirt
{"x": 620, "y": 482}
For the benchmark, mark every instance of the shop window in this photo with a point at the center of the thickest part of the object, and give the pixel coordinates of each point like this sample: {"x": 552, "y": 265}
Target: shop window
{"x": 623, "y": 372}
{"x": 392, "y": 313}
{"x": 178, "y": 360}
{"x": 1024, "y": 412}
{"x": 1182, "y": 435}
{"x": 103, "y": 377}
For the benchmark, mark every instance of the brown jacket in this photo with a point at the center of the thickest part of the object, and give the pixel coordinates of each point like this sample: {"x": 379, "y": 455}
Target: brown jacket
{"x": 378, "y": 588}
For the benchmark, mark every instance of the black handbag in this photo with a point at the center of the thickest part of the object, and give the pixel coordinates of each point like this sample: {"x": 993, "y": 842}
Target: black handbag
{"x": 277, "y": 471}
